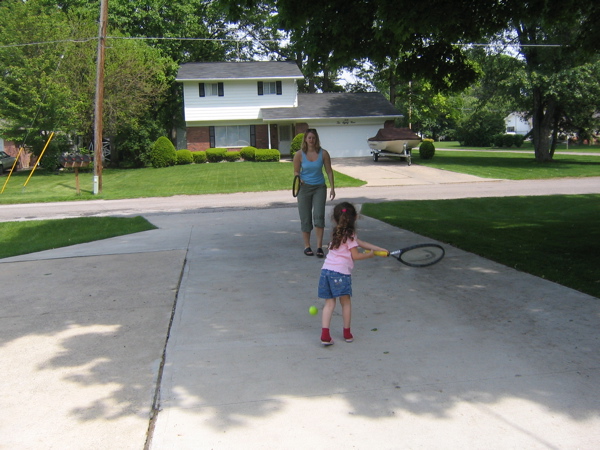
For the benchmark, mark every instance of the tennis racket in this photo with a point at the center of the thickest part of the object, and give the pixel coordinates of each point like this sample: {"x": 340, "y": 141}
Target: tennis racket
{"x": 420, "y": 255}
{"x": 296, "y": 186}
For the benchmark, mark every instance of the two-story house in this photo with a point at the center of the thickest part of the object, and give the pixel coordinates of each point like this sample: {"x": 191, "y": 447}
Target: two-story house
{"x": 235, "y": 104}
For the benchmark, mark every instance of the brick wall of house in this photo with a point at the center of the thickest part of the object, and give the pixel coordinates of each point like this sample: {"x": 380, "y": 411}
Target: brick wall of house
{"x": 26, "y": 159}
{"x": 274, "y": 137}
{"x": 198, "y": 139}
{"x": 262, "y": 136}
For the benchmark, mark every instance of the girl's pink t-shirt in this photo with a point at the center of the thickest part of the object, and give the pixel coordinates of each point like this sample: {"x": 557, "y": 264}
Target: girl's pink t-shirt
{"x": 340, "y": 259}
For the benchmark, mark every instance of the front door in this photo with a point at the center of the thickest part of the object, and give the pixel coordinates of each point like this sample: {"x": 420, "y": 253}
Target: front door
{"x": 285, "y": 139}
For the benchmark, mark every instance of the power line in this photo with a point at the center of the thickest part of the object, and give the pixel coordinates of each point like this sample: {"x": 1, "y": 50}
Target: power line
{"x": 137, "y": 38}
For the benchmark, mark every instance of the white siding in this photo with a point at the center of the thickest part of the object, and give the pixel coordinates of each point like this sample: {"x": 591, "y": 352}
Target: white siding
{"x": 239, "y": 102}
{"x": 516, "y": 124}
{"x": 346, "y": 140}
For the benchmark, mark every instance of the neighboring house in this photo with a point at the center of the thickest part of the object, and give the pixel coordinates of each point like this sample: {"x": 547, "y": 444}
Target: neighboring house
{"x": 516, "y": 124}
{"x": 25, "y": 158}
{"x": 235, "y": 104}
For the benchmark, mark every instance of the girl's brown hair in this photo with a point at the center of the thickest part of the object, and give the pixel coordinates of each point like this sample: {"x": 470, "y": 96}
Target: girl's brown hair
{"x": 317, "y": 141}
{"x": 344, "y": 216}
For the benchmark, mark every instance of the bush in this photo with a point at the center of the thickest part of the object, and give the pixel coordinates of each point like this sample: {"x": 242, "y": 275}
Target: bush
{"x": 426, "y": 149}
{"x": 479, "y": 129}
{"x": 233, "y": 156}
{"x": 507, "y": 140}
{"x": 296, "y": 144}
{"x": 497, "y": 140}
{"x": 162, "y": 153}
{"x": 248, "y": 153}
{"x": 215, "y": 154}
{"x": 518, "y": 140}
{"x": 199, "y": 157}
{"x": 184, "y": 157}
{"x": 267, "y": 154}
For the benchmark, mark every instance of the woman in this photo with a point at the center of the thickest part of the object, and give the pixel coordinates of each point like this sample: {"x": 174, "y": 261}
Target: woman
{"x": 308, "y": 164}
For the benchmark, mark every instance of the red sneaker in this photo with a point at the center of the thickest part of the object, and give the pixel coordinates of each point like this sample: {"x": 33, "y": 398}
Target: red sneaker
{"x": 347, "y": 335}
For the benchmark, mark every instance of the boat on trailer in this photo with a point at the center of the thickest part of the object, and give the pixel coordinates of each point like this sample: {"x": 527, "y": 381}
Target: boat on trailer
{"x": 394, "y": 142}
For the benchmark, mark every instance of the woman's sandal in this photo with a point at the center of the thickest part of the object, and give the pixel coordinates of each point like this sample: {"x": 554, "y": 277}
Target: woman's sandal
{"x": 308, "y": 252}
{"x": 320, "y": 253}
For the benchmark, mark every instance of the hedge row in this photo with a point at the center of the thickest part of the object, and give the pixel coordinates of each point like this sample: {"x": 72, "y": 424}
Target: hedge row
{"x": 163, "y": 154}
{"x": 219, "y": 154}
{"x": 508, "y": 140}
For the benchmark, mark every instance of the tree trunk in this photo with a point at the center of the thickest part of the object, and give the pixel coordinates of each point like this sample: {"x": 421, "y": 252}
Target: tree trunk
{"x": 543, "y": 115}
{"x": 393, "y": 84}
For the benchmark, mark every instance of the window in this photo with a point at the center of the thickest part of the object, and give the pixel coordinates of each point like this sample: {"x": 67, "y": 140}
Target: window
{"x": 285, "y": 132}
{"x": 269, "y": 88}
{"x": 211, "y": 89}
{"x": 510, "y": 129}
{"x": 232, "y": 136}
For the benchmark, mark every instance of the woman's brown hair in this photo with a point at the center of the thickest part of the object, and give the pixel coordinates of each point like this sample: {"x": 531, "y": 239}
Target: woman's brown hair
{"x": 317, "y": 142}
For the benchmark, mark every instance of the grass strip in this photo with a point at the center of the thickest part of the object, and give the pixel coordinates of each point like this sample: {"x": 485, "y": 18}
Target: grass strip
{"x": 19, "y": 238}
{"x": 193, "y": 179}
{"x": 513, "y": 166}
{"x": 552, "y": 237}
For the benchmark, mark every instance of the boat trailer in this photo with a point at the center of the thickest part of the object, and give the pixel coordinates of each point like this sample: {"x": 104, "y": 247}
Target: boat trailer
{"x": 406, "y": 153}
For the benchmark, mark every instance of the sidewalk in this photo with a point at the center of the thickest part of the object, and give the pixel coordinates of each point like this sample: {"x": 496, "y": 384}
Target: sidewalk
{"x": 464, "y": 354}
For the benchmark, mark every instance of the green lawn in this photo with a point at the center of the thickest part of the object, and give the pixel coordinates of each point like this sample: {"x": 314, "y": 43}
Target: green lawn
{"x": 20, "y": 238}
{"x": 193, "y": 179}
{"x": 553, "y": 237}
{"x": 527, "y": 146}
{"x": 511, "y": 165}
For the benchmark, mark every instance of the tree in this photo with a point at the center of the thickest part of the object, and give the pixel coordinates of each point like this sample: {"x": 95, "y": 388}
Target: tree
{"x": 337, "y": 33}
{"x": 51, "y": 86}
{"x": 553, "y": 39}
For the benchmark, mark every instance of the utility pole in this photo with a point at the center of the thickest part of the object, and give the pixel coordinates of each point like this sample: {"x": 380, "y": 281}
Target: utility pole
{"x": 98, "y": 156}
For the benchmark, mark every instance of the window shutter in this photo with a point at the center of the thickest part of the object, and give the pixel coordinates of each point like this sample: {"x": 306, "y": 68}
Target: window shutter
{"x": 278, "y": 87}
{"x": 211, "y": 136}
{"x": 220, "y": 89}
{"x": 253, "y": 135}
{"x": 260, "y": 87}
{"x": 201, "y": 89}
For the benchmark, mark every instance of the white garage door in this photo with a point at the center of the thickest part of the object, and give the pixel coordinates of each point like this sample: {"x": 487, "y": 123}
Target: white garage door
{"x": 342, "y": 141}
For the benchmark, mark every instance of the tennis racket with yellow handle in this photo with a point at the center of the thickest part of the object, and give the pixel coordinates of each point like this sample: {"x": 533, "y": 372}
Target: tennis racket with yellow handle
{"x": 419, "y": 255}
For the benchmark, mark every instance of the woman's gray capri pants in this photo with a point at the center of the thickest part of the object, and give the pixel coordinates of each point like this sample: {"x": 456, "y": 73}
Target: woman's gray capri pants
{"x": 311, "y": 206}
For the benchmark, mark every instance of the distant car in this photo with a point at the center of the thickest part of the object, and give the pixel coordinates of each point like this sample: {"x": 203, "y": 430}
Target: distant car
{"x": 6, "y": 162}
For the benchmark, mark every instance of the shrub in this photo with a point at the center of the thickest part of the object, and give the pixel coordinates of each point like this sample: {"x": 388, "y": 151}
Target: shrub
{"x": 497, "y": 140}
{"x": 296, "y": 144}
{"x": 508, "y": 140}
{"x": 267, "y": 154}
{"x": 162, "y": 153}
{"x": 184, "y": 157}
{"x": 232, "y": 156}
{"x": 248, "y": 153}
{"x": 199, "y": 157}
{"x": 479, "y": 129}
{"x": 518, "y": 140}
{"x": 215, "y": 154}
{"x": 426, "y": 149}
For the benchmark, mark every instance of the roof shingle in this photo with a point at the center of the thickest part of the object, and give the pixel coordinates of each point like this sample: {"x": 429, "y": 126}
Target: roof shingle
{"x": 335, "y": 105}
{"x": 239, "y": 70}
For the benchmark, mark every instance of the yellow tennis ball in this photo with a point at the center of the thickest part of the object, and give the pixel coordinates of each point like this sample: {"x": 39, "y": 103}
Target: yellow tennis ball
{"x": 313, "y": 310}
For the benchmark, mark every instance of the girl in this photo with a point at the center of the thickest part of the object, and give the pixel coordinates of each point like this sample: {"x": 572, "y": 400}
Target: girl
{"x": 336, "y": 279}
